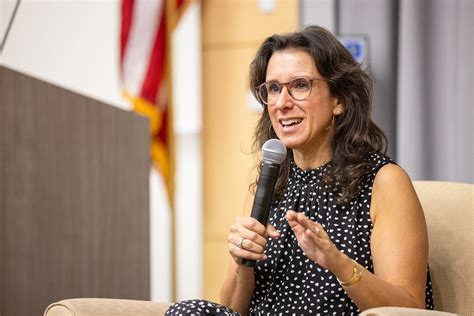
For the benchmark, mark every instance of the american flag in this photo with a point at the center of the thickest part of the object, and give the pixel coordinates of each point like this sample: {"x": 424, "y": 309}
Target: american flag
{"x": 146, "y": 28}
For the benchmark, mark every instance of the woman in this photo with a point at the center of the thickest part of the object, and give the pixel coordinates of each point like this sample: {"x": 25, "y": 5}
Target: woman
{"x": 346, "y": 230}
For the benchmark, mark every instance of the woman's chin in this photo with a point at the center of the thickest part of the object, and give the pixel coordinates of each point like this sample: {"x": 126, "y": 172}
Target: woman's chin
{"x": 290, "y": 143}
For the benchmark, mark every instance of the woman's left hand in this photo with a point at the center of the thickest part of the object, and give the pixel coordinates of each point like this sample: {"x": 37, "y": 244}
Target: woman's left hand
{"x": 314, "y": 241}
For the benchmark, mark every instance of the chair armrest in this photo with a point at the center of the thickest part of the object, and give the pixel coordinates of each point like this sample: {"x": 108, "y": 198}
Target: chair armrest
{"x": 105, "y": 307}
{"x": 392, "y": 311}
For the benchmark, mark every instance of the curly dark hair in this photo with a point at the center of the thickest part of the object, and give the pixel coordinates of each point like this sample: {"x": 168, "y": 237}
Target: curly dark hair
{"x": 355, "y": 135}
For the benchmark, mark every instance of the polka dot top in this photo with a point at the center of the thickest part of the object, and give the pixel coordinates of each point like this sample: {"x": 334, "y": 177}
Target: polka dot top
{"x": 288, "y": 282}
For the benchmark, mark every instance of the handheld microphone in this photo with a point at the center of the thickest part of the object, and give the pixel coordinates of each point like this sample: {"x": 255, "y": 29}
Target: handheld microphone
{"x": 273, "y": 154}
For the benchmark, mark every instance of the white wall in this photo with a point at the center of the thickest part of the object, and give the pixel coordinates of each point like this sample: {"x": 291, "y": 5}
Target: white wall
{"x": 69, "y": 43}
{"x": 75, "y": 44}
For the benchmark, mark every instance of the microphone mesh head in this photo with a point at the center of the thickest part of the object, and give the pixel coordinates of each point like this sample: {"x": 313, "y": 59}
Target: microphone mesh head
{"x": 273, "y": 151}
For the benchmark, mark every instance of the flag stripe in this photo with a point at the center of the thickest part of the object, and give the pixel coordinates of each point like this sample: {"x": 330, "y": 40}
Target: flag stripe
{"x": 140, "y": 44}
{"x": 127, "y": 11}
{"x": 156, "y": 66}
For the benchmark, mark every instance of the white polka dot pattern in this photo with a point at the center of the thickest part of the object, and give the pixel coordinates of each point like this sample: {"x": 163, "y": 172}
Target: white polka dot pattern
{"x": 288, "y": 282}
{"x": 199, "y": 307}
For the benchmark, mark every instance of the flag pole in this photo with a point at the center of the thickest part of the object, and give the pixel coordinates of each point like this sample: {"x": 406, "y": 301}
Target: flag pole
{"x": 170, "y": 6}
{"x": 173, "y": 15}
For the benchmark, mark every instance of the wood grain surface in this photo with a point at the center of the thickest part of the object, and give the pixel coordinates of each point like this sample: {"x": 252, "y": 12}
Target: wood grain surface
{"x": 74, "y": 197}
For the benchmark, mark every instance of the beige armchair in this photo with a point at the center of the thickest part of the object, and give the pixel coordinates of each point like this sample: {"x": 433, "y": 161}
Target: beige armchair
{"x": 449, "y": 214}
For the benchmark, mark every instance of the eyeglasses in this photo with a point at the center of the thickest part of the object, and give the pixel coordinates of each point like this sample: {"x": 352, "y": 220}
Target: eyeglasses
{"x": 298, "y": 88}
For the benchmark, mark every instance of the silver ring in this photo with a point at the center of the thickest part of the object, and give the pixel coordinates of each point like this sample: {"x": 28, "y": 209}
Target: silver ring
{"x": 240, "y": 243}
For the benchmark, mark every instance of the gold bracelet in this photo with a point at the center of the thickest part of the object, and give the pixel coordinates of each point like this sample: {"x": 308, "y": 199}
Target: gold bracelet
{"x": 356, "y": 275}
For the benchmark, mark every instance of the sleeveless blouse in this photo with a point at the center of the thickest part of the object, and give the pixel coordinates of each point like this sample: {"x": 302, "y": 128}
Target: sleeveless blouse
{"x": 288, "y": 282}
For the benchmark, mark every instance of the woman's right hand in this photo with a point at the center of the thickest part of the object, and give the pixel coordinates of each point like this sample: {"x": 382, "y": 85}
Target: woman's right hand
{"x": 247, "y": 239}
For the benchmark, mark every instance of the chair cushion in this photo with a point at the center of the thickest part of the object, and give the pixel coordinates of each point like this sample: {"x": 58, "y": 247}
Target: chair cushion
{"x": 104, "y": 307}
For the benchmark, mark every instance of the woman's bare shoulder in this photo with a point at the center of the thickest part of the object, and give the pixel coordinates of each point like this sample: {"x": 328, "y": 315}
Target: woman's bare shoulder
{"x": 393, "y": 190}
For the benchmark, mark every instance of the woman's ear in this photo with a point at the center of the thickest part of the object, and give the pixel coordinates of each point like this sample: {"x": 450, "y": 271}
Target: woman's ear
{"x": 338, "y": 109}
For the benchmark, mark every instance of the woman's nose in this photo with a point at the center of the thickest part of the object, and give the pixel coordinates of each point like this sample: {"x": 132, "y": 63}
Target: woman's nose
{"x": 284, "y": 99}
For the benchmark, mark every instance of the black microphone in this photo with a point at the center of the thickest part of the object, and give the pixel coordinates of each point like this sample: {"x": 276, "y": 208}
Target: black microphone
{"x": 273, "y": 154}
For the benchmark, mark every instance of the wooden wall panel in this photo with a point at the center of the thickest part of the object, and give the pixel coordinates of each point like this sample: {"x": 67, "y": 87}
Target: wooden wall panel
{"x": 229, "y": 126}
{"x": 232, "y": 30}
{"x": 74, "y": 214}
{"x": 234, "y": 22}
